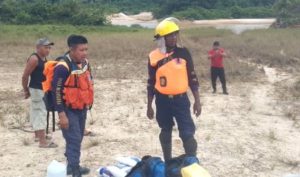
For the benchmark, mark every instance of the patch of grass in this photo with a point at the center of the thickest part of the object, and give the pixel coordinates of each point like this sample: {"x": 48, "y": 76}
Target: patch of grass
{"x": 1, "y": 119}
{"x": 295, "y": 89}
{"x": 92, "y": 143}
{"x": 121, "y": 52}
{"x": 26, "y": 141}
{"x": 289, "y": 94}
{"x": 272, "y": 136}
{"x": 291, "y": 114}
{"x": 290, "y": 162}
{"x": 11, "y": 31}
{"x": 208, "y": 137}
{"x": 267, "y": 46}
{"x": 92, "y": 121}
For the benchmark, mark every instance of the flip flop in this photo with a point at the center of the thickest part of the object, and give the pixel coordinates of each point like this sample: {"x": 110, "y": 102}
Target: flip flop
{"x": 50, "y": 145}
{"x": 89, "y": 133}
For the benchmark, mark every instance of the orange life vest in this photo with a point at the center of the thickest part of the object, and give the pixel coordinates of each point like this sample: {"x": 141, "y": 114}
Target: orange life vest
{"x": 78, "y": 88}
{"x": 171, "y": 76}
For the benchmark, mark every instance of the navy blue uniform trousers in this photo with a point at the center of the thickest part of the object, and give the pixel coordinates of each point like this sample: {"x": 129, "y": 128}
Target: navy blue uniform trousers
{"x": 178, "y": 107}
{"x": 74, "y": 135}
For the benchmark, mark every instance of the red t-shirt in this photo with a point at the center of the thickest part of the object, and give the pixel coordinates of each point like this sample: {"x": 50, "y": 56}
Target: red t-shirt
{"x": 216, "y": 57}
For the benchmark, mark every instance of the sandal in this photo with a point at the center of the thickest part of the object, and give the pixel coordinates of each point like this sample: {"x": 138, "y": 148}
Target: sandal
{"x": 50, "y": 145}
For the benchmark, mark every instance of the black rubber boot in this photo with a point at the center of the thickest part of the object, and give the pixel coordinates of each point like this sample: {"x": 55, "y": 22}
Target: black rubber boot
{"x": 224, "y": 89}
{"x": 165, "y": 138}
{"x": 190, "y": 146}
{"x": 83, "y": 170}
{"x": 76, "y": 172}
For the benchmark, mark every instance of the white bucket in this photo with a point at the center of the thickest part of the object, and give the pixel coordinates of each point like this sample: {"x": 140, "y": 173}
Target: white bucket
{"x": 292, "y": 175}
{"x": 56, "y": 169}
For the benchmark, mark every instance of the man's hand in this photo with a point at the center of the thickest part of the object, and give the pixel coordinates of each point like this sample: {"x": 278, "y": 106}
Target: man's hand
{"x": 63, "y": 120}
{"x": 150, "y": 113}
{"x": 26, "y": 94}
{"x": 197, "y": 108}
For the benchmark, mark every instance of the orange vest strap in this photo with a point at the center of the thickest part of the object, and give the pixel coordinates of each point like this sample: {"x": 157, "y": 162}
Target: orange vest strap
{"x": 156, "y": 55}
{"x": 64, "y": 64}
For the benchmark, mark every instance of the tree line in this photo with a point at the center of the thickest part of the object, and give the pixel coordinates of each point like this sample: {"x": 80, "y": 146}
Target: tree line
{"x": 94, "y": 12}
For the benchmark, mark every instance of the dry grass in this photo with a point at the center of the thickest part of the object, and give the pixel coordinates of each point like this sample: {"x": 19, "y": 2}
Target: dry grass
{"x": 276, "y": 48}
{"x": 289, "y": 94}
{"x": 295, "y": 89}
{"x": 290, "y": 162}
{"x": 92, "y": 143}
{"x": 124, "y": 55}
{"x": 1, "y": 119}
{"x": 272, "y": 136}
{"x": 26, "y": 141}
{"x": 92, "y": 121}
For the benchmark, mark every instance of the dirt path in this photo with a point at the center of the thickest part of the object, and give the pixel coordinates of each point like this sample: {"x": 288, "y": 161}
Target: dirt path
{"x": 243, "y": 134}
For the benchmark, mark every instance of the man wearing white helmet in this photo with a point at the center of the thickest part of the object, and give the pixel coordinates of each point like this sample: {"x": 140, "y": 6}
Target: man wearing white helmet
{"x": 171, "y": 73}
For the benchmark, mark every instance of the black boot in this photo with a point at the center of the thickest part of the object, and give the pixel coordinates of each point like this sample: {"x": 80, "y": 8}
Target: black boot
{"x": 190, "y": 146}
{"x": 225, "y": 91}
{"x": 76, "y": 172}
{"x": 165, "y": 138}
{"x": 224, "y": 88}
{"x": 214, "y": 91}
{"x": 83, "y": 170}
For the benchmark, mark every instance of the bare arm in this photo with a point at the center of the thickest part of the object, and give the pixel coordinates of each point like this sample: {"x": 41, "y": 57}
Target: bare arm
{"x": 197, "y": 108}
{"x": 30, "y": 66}
{"x": 224, "y": 54}
{"x": 150, "y": 90}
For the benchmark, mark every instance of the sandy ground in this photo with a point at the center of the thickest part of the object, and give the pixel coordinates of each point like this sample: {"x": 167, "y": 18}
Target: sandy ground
{"x": 144, "y": 19}
{"x": 243, "y": 134}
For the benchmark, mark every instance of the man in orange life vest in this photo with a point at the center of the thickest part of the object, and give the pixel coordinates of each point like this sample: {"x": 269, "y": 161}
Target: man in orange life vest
{"x": 171, "y": 73}
{"x": 34, "y": 69}
{"x": 73, "y": 95}
{"x": 216, "y": 55}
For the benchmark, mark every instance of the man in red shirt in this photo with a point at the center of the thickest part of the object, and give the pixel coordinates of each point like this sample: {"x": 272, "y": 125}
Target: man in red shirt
{"x": 216, "y": 55}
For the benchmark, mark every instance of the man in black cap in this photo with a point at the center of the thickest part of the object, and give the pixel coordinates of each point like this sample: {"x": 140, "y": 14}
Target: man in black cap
{"x": 34, "y": 69}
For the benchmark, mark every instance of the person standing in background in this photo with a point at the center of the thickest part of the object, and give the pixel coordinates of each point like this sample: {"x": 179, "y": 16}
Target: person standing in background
{"x": 216, "y": 56}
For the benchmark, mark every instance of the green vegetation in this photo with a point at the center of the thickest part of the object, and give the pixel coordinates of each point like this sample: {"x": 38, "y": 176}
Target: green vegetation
{"x": 43, "y": 12}
{"x": 93, "y": 12}
{"x": 288, "y": 12}
{"x": 194, "y": 9}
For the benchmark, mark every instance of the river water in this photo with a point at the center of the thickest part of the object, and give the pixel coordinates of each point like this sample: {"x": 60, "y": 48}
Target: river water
{"x": 237, "y": 26}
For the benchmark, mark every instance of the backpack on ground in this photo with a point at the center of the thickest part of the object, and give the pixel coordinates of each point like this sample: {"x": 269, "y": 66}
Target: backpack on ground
{"x": 175, "y": 165}
{"x": 148, "y": 167}
{"x": 48, "y": 96}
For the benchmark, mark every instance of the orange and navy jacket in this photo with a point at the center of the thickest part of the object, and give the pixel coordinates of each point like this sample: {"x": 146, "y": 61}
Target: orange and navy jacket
{"x": 72, "y": 87}
{"x": 171, "y": 73}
